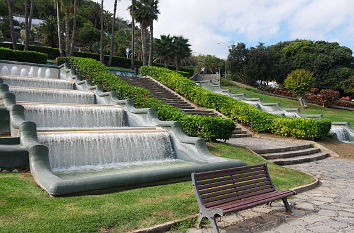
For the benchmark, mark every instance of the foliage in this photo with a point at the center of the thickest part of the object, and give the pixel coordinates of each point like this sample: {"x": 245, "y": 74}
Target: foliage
{"x": 211, "y": 64}
{"x": 164, "y": 48}
{"x": 328, "y": 97}
{"x": 348, "y": 86}
{"x": 207, "y": 127}
{"x": 22, "y": 56}
{"x": 258, "y": 120}
{"x": 299, "y": 81}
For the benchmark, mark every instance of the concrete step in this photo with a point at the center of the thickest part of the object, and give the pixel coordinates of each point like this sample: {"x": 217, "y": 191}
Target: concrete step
{"x": 241, "y": 135}
{"x": 283, "y": 149}
{"x": 13, "y": 156}
{"x": 291, "y": 154}
{"x": 239, "y": 131}
{"x": 300, "y": 159}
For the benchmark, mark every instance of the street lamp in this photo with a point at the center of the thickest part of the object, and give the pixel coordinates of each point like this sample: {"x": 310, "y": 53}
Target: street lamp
{"x": 230, "y": 43}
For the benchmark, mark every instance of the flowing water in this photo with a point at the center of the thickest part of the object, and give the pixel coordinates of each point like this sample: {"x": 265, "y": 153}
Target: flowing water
{"x": 53, "y": 95}
{"x": 38, "y": 82}
{"x": 101, "y": 150}
{"x": 74, "y": 116}
{"x": 342, "y": 133}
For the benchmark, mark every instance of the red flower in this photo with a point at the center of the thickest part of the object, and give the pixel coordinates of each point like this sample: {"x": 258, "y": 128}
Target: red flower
{"x": 139, "y": 94}
{"x": 132, "y": 92}
{"x": 144, "y": 93}
{"x": 145, "y": 101}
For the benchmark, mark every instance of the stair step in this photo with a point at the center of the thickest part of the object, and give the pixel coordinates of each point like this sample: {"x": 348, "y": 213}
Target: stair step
{"x": 239, "y": 131}
{"x": 241, "y": 135}
{"x": 291, "y": 154}
{"x": 13, "y": 156}
{"x": 284, "y": 149}
{"x": 300, "y": 159}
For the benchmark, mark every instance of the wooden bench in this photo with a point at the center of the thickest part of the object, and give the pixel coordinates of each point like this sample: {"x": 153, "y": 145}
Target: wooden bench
{"x": 229, "y": 190}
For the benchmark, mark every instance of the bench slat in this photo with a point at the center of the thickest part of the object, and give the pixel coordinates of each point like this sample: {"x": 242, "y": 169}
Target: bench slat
{"x": 225, "y": 189}
{"x": 205, "y": 175}
{"x": 234, "y": 179}
{"x": 224, "y": 176}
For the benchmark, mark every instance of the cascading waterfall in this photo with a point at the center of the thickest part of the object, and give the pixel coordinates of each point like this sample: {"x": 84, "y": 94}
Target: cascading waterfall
{"x": 38, "y": 82}
{"x": 74, "y": 116}
{"x": 343, "y": 134}
{"x": 53, "y": 95}
{"x": 101, "y": 150}
{"x": 4, "y": 70}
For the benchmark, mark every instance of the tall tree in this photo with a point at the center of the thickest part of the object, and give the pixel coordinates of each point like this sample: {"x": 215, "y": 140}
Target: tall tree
{"x": 67, "y": 5}
{"x": 181, "y": 49}
{"x": 60, "y": 45}
{"x": 154, "y": 16}
{"x": 10, "y": 4}
{"x": 26, "y": 25}
{"x": 144, "y": 12}
{"x": 30, "y": 15}
{"x": 112, "y": 33}
{"x": 133, "y": 33}
{"x": 73, "y": 35}
{"x": 164, "y": 48}
{"x": 101, "y": 40}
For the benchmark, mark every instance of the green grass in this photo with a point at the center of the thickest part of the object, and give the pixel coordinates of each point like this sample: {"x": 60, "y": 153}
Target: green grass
{"x": 329, "y": 113}
{"x": 24, "y": 207}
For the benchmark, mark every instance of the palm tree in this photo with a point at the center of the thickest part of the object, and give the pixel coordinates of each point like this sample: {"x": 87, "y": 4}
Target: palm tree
{"x": 67, "y": 5}
{"x": 181, "y": 50}
{"x": 154, "y": 16}
{"x": 10, "y": 5}
{"x": 112, "y": 36}
{"x": 101, "y": 40}
{"x": 47, "y": 31}
{"x": 144, "y": 12}
{"x": 72, "y": 46}
{"x": 58, "y": 3}
{"x": 26, "y": 25}
{"x": 31, "y": 14}
{"x": 164, "y": 48}
{"x": 131, "y": 9}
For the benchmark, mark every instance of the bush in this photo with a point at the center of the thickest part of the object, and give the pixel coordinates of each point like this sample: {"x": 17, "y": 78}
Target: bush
{"x": 299, "y": 81}
{"x": 258, "y": 120}
{"x": 206, "y": 127}
{"x": 328, "y": 97}
{"x": 23, "y": 56}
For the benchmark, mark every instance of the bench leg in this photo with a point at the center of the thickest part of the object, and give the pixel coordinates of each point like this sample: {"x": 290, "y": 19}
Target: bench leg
{"x": 214, "y": 225}
{"x": 286, "y": 204}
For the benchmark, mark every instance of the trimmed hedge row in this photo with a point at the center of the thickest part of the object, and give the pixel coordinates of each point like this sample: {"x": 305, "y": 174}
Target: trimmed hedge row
{"x": 206, "y": 127}
{"x": 124, "y": 62}
{"x": 23, "y": 56}
{"x": 258, "y": 120}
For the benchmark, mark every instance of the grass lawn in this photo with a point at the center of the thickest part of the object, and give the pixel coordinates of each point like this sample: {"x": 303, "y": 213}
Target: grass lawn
{"x": 329, "y": 113}
{"x": 24, "y": 207}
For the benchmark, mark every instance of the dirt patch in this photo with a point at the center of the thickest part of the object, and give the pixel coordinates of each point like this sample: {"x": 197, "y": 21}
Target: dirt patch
{"x": 106, "y": 230}
{"x": 345, "y": 150}
{"x": 152, "y": 200}
{"x": 163, "y": 212}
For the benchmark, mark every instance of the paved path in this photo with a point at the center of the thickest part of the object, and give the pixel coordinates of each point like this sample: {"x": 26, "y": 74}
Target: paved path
{"x": 328, "y": 208}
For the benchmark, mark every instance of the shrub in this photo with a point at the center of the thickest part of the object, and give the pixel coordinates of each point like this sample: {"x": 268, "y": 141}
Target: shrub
{"x": 258, "y": 120}
{"x": 206, "y": 127}
{"x": 23, "y": 56}
{"x": 314, "y": 91}
{"x": 328, "y": 97}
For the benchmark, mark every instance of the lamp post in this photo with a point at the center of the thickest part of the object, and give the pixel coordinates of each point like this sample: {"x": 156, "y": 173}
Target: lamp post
{"x": 229, "y": 44}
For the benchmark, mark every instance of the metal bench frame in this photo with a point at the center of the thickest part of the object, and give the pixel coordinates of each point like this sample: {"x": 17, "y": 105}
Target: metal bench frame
{"x": 230, "y": 190}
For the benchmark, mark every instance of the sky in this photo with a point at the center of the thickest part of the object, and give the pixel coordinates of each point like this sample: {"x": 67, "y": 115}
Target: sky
{"x": 213, "y": 25}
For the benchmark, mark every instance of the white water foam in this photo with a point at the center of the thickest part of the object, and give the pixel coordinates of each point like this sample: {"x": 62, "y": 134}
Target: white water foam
{"x": 97, "y": 150}
{"x": 67, "y": 116}
{"x": 38, "y": 82}
{"x": 53, "y": 95}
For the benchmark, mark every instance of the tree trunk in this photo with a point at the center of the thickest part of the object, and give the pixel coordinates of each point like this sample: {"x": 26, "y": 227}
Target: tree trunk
{"x": 101, "y": 40}
{"x": 133, "y": 37}
{"x": 30, "y": 16}
{"x": 151, "y": 52}
{"x": 72, "y": 46}
{"x": 59, "y": 30}
{"x": 9, "y": 5}
{"x": 26, "y": 25}
{"x": 165, "y": 60}
{"x": 67, "y": 31}
{"x": 177, "y": 63}
{"x": 302, "y": 101}
{"x": 112, "y": 36}
{"x": 143, "y": 44}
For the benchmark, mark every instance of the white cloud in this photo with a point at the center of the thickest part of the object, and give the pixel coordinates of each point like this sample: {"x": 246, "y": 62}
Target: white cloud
{"x": 207, "y": 22}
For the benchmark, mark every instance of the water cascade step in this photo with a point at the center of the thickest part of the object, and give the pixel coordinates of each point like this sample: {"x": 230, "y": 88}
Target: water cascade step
{"x": 52, "y": 95}
{"x": 94, "y": 149}
{"x": 37, "y": 82}
{"x": 48, "y": 115}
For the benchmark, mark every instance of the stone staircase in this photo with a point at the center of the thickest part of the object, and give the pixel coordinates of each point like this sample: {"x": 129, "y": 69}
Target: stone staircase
{"x": 292, "y": 155}
{"x": 171, "y": 98}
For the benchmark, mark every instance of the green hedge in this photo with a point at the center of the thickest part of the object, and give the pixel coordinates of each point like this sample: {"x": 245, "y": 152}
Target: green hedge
{"x": 206, "y": 127}
{"x": 258, "y": 120}
{"x": 23, "y": 56}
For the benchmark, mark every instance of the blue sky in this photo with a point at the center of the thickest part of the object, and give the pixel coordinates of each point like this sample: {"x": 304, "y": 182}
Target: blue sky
{"x": 212, "y": 25}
